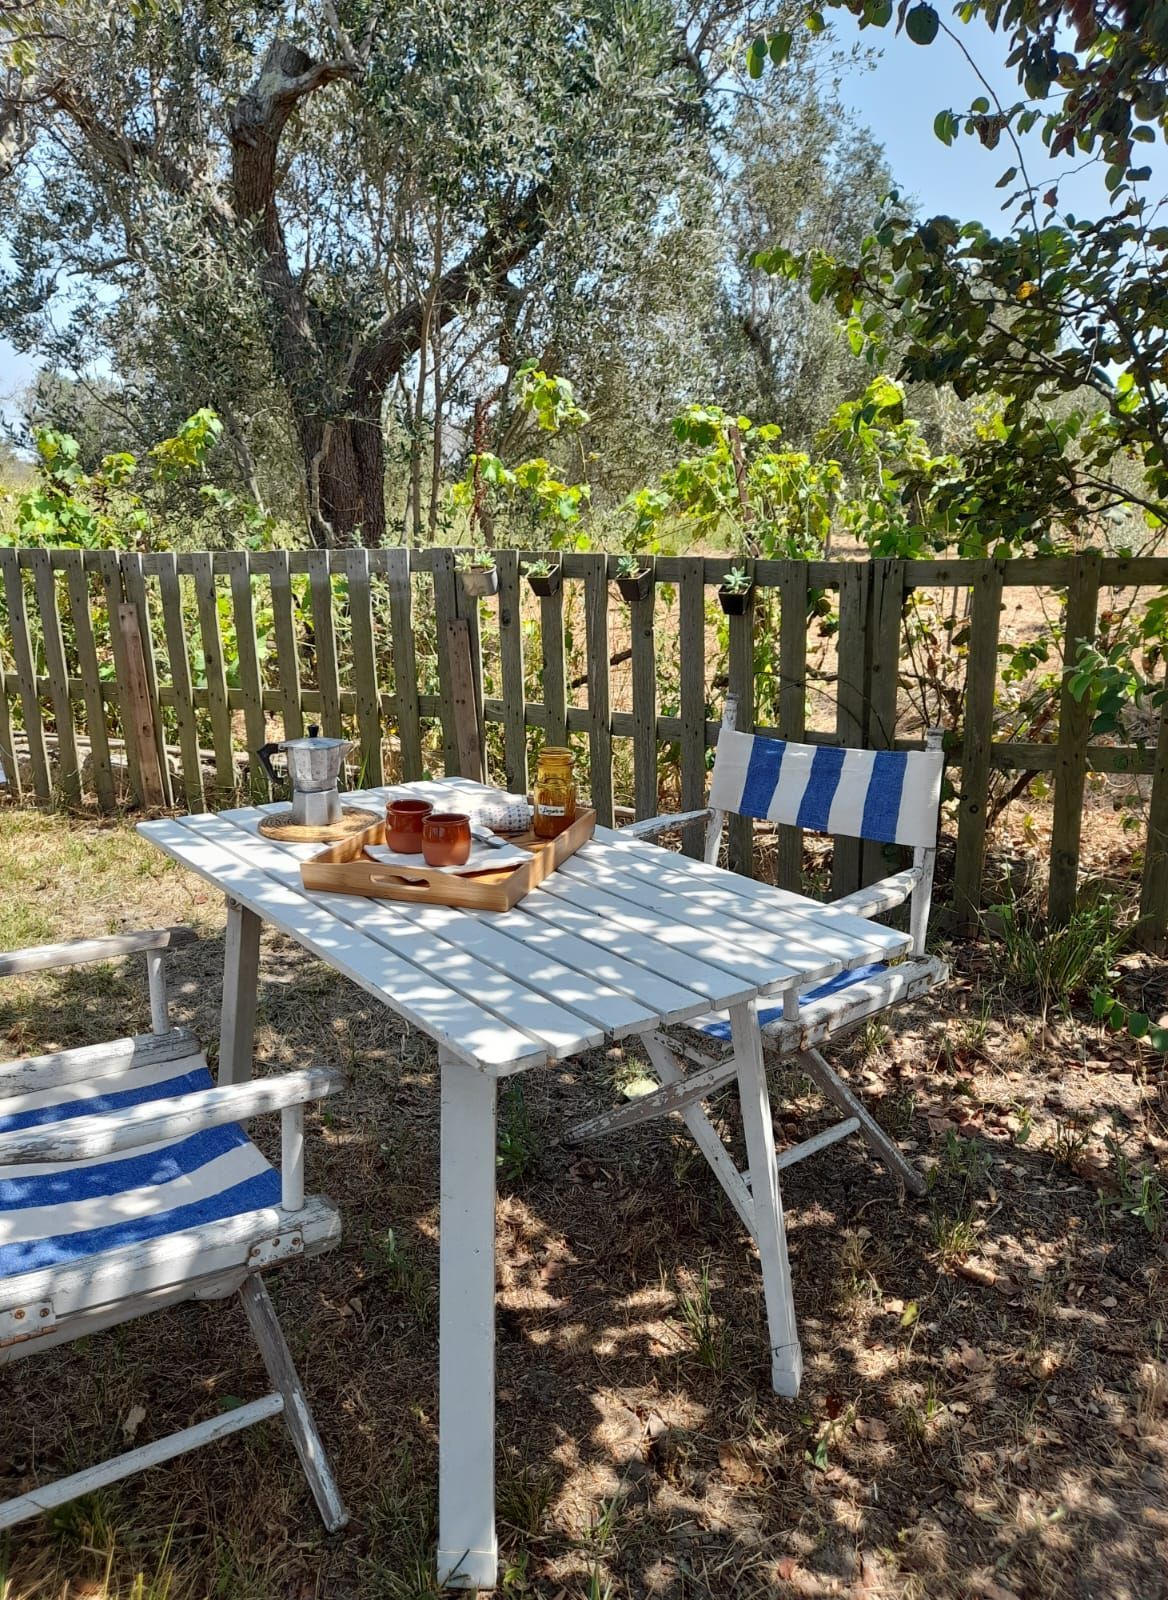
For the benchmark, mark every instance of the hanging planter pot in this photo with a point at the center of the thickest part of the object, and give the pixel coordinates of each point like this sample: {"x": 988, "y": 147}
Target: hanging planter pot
{"x": 635, "y": 586}
{"x": 479, "y": 582}
{"x": 736, "y": 602}
{"x": 544, "y": 578}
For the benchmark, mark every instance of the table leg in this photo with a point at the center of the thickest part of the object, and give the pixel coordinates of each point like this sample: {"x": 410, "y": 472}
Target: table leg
{"x": 241, "y": 976}
{"x": 769, "y": 1228}
{"x": 467, "y": 1548}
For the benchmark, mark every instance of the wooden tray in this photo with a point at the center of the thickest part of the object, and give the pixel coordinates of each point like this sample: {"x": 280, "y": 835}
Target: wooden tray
{"x": 344, "y": 868}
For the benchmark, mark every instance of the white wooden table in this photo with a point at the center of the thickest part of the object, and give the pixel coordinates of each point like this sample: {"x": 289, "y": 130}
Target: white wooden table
{"x": 622, "y": 940}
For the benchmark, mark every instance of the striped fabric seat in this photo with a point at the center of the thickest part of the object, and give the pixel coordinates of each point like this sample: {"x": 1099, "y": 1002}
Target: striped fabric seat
{"x": 887, "y": 795}
{"x": 718, "y": 1026}
{"x": 62, "y": 1213}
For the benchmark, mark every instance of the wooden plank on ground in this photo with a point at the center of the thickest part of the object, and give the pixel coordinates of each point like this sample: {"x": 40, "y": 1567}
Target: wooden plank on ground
{"x": 466, "y": 722}
{"x": 554, "y": 676}
{"x": 882, "y": 661}
{"x": 851, "y": 698}
{"x": 405, "y": 669}
{"x": 692, "y": 665}
{"x": 511, "y": 671}
{"x": 740, "y": 830}
{"x": 206, "y": 601}
{"x": 25, "y": 664}
{"x": 45, "y": 587}
{"x": 981, "y": 677}
{"x": 1075, "y": 718}
{"x": 134, "y": 581}
{"x": 250, "y": 683}
{"x": 174, "y": 623}
{"x": 287, "y": 654}
{"x": 141, "y": 728}
{"x": 644, "y": 676}
{"x": 792, "y": 698}
{"x": 320, "y": 585}
{"x": 1153, "y": 924}
{"x": 364, "y": 667}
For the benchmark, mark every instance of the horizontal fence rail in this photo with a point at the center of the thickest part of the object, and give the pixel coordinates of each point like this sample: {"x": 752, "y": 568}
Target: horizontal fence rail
{"x": 156, "y": 676}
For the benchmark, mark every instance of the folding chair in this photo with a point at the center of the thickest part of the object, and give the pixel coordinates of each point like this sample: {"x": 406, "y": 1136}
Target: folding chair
{"x": 890, "y": 796}
{"x": 127, "y": 1184}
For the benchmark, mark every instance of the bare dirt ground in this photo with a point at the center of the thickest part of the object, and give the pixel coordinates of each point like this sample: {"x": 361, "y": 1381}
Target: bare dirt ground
{"x": 985, "y": 1407}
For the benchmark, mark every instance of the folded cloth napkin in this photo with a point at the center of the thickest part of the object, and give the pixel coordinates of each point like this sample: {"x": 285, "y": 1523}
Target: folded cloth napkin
{"x": 509, "y": 813}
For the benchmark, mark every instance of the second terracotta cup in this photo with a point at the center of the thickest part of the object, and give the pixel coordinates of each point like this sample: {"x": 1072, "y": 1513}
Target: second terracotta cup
{"x": 446, "y": 839}
{"x": 403, "y": 825}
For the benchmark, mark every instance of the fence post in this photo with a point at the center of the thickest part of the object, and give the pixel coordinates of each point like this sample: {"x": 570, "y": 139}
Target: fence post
{"x": 180, "y": 678}
{"x": 466, "y": 611}
{"x": 792, "y": 698}
{"x": 851, "y": 701}
{"x": 643, "y": 641}
{"x": 511, "y": 684}
{"x": 141, "y": 729}
{"x": 692, "y": 666}
{"x": 405, "y": 666}
{"x": 1153, "y": 924}
{"x": 250, "y": 683}
{"x": 135, "y": 582}
{"x": 740, "y": 830}
{"x": 1070, "y": 762}
{"x": 981, "y": 677}
{"x": 364, "y": 667}
{"x": 882, "y": 674}
{"x": 599, "y": 701}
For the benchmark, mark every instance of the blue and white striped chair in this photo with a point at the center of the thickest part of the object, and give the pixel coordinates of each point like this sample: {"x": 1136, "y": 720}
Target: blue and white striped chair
{"x": 127, "y": 1184}
{"x": 890, "y": 796}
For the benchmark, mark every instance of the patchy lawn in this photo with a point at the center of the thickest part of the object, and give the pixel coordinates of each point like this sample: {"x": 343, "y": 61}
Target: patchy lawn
{"x": 984, "y": 1407}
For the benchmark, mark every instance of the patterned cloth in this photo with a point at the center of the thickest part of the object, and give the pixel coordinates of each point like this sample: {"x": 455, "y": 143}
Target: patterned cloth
{"x": 890, "y": 795}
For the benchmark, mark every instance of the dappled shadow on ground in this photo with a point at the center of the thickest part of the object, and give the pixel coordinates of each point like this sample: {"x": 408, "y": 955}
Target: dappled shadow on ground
{"x": 983, "y": 1409}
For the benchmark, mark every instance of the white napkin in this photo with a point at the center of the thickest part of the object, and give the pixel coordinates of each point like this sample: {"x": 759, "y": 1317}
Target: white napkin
{"x": 482, "y": 858}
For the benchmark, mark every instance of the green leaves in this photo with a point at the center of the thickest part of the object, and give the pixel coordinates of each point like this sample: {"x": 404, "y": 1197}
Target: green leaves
{"x": 946, "y": 127}
{"x": 922, "y": 24}
{"x": 756, "y": 57}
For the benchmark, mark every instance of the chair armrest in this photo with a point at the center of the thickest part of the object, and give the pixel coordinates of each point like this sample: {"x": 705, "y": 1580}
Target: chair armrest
{"x": 880, "y": 896}
{"x": 82, "y": 1138}
{"x": 45, "y": 957}
{"x": 650, "y": 827}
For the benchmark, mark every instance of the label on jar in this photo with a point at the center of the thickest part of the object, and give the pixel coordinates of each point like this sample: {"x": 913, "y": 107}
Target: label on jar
{"x": 552, "y": 811}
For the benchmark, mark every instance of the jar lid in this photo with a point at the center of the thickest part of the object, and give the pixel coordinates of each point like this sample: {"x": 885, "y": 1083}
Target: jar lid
{"x": 556, "y": 751}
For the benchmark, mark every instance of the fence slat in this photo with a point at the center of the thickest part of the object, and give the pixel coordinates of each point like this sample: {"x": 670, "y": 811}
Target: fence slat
{"x": 466, "y": 609}
{"x": 445, "y": 612}
{"x": 7, "y": 748}
{"x": 320, "y": 588}
{"x": 599, "y": 698}
{"x": 881, "y": 660}
{"x": 23, "y": 661}
{"x": 555, "y": 691}
{"x": 250, "y": 683}
{"x": 792, "y": 698}
{"x": 740, "y": 830}
{"x": 134, "y": 580}
{"x": 644, "y": 675}
{"x": 1075, "y": 718}
{"x": 691, "y": 602}
{"x": 511, "y": 671}
{"x": 981, "y": 677}
{"x": 365, "y": 668}
{"x": 81, "y": 615}
{"x": 1153, "y": 926}
{"x": 205, "y": 596}
{"x": 287, "y": 655}
{"x": 850, "y": 714}
{"x": 180, "y": 678}
{"x": 45, "y": 587}
{"x": 112, "y": 588}
{"x": 142, "y": 724}
{"x": 405, "y": 669}
{"x": 459, "y": 648}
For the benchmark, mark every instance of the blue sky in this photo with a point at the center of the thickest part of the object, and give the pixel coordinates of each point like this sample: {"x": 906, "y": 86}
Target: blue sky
{"x": 898, "y": 100}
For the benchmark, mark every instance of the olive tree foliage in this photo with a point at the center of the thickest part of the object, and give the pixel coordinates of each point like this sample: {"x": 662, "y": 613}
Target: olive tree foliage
{"x": 313, "y": 217}
{"x": 1058, "y": 319}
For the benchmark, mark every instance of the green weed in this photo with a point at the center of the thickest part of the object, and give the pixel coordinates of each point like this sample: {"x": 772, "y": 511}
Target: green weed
{"x": 697, "y": 1312}
{"x": 519, "y": 1144}
{"x": 1053, "y": 965}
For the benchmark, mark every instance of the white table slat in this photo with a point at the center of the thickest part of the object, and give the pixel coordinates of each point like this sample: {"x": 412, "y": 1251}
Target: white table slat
{"x": 561, "y": 1032}
{"x": 889, "y": 942}
{"x": 799, "y": 938}
{"x": 470, "y": 1032}
{"x": 719, "y": 955}
{"x": 786, "y": 941}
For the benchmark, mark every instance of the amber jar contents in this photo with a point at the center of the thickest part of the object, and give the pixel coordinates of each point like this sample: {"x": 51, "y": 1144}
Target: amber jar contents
{"x": 403, "y": 825}
{"x": 555, "y": 793}
{"x": 446, "y": 838}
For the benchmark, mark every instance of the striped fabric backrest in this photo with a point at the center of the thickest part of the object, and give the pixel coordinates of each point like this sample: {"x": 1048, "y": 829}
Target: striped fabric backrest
{"x": 890, "y": 795}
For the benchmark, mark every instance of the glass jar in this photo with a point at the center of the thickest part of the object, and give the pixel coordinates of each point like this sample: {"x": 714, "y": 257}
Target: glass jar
{"x": 554, "y": 795}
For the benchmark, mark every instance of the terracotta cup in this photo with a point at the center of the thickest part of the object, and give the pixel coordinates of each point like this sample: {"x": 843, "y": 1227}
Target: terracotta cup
{"x": 446, "y": 838}
{"x": 403, "y": 825}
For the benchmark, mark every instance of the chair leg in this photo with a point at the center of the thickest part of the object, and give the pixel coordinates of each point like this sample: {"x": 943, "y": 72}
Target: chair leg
{"x": 769, "y": 1227}
{"x": 273, "y": 1348}
{"x": 836, "y": 1090}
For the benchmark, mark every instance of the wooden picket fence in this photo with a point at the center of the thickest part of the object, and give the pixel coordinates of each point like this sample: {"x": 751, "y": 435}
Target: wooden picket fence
{"x": 385, "y": 646}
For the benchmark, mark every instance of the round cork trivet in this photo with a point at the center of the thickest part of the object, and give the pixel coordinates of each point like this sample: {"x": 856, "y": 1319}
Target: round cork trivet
{"x": 276, "y": 826}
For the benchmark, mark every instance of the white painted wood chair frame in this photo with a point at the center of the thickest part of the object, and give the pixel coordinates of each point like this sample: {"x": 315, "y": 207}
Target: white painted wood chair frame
{"x": 52, "y": 1305}
{"x": 802, "y": 1027}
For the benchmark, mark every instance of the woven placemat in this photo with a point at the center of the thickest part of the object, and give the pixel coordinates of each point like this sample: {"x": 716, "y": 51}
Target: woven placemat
{"x": 276, "y": 826}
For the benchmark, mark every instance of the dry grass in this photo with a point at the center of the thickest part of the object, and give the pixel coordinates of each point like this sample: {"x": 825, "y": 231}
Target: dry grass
{"x": 984, "y": 1411}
